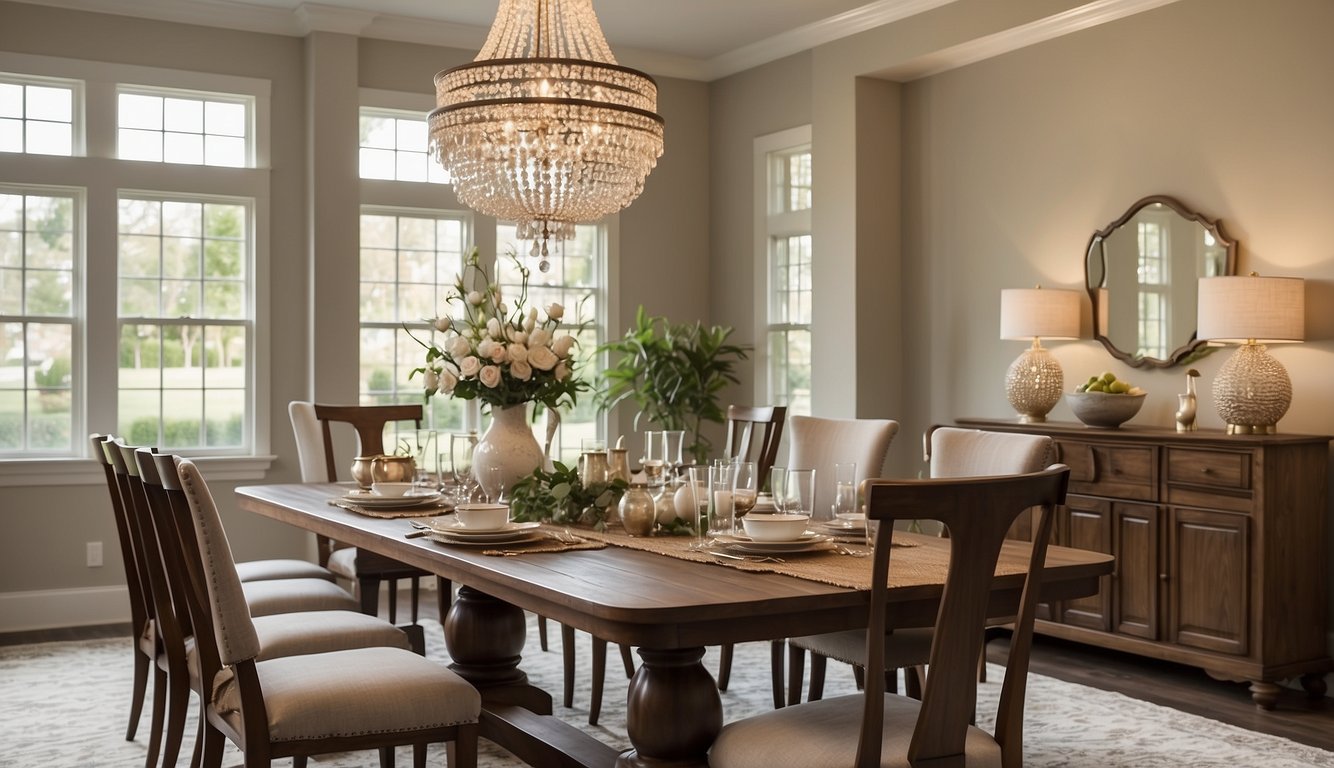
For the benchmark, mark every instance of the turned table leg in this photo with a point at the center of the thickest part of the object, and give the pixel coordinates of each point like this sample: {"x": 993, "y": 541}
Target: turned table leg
{"x": 485, "y": 637}
{"x": 673, "y": 711}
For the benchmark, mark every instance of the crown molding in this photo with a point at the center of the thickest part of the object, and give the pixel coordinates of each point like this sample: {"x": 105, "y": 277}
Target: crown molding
{"x": 314, "y": 17}
{"x": 828, "y": 30}
{"x": 1057, "y": 25}
{"x": 246, "y": 17}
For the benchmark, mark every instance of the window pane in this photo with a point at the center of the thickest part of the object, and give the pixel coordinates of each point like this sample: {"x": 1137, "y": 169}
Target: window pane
{"x": 11, "y": 135}
{"x": 36, "y": 118}
{"x": 184, "y": 115}
{"x": 377, "y": 164}
{"x": 180, "y": 256}
{"x": 140, "y": 216}
{"x": 49, "y": 293}
{"x": 224, "y": 118}
{"x": 11, "y": 100}
{"x": 185, "y": 148}
{"x": 394, "y": 146}
{"x": 183, "y": 416}
{"x": 47, "y": 103}
{"x": 140, "y": 145}
{"x": 377, "y": 132}
{"x": 50, "y": 138}
{"x": 184, "y": 130}
{"x": 139, "y": 256}
{"x": 181, "y": 218}
{"x": 224, "y": 299}
{"x": 11, "y": 291}
{"x": 139, "y": 111}
{"x": 225, "y": 151}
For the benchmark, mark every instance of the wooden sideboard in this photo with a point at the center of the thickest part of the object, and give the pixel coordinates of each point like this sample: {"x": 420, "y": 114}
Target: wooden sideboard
{"x": 1220, "y": 543}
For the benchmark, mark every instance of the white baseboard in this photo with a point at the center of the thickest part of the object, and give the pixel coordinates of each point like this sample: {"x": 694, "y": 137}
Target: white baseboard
{"x": 53, "y": 608}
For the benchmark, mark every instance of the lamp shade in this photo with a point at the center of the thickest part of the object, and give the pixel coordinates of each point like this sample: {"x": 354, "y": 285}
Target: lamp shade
{"x": 1029, "y": 313}
{"x": 1241, "y": 309}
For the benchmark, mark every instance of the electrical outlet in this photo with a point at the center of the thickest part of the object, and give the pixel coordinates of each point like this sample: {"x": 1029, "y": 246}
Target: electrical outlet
{"x": 94, "y": 554}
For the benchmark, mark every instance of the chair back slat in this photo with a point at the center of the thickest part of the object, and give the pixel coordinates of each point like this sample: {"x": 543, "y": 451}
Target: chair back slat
{"x": 167, "y": 530}
{"x": 233, "y": 630}
{"x": 977, "y": 512}
{"x": 743, "y": 422}
{"x": 369, "y": 422}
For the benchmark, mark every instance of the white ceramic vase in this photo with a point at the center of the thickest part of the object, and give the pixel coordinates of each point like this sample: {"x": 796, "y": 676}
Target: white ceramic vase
{"x": 508, "y": 444}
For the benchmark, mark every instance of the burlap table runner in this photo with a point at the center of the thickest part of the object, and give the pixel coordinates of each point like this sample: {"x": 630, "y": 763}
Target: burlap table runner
{"x": 424, "y": 510}
{"x": 827, "y": 566}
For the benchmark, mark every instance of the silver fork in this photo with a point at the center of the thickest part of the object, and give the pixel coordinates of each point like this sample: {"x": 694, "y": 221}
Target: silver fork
{"x": 843, "y": 550}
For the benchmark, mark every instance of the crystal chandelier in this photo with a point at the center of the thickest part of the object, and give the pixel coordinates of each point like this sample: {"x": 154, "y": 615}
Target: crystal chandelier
{"x": 544, "y": 128}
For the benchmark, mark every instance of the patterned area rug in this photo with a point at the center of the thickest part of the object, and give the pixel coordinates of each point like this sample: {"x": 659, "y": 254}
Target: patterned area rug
{"x": 65, "y": 704}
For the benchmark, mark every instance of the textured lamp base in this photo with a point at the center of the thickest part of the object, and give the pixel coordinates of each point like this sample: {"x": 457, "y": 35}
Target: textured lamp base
{"x": 1252, "y": 391}
{"x": 1033, "y": 384}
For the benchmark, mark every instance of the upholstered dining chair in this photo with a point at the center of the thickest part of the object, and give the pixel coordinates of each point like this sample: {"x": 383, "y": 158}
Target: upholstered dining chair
{"x": 281, "y": 634}
{"x": 874, "y": 729}
{"x": 315, "y": 703}
{"x": 315, "y": 452}
{"x": 951, "y": 452}
{"x": 819, "y": 444}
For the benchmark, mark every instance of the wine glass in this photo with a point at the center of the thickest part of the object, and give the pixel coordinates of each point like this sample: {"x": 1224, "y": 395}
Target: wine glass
{"x": 798, "y": 492}
{"x": 744, "y": 477}
{"x": 424, "y": 450}
{"x": 673, "y": 446}
{"x": 654, "y": 460}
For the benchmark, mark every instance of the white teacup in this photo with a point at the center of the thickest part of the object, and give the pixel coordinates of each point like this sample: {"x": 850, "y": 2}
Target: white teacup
{"x": 775, "y": 527}
{"x": 482, "y": 517}
{"x": 391, "y": 489}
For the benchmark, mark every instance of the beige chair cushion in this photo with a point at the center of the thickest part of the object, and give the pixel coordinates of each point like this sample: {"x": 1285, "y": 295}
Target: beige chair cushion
{"x": 824, "y": 733}
{"x": 819, "y": 444}
{"x": 343, "y": 562}
{"x": 975, "y": 453}
{"x": 270, "y": 570}
{"x": 290, "y": 634}
{"x": 309, "y": 442}
{"x": 347, "y": 693}
{"x": 266, "y": 598}
{"x": 903, "y": 647}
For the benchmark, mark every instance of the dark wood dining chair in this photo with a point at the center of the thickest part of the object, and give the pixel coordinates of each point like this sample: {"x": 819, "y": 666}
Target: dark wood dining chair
{"x": 872, "y": 729}
{"x": 365, "y": 569}
{"x": 314, "y": 703}
{"x": 135, "y": 580}
{"x": 753, "y": 433}
{"x": 951, "y": 452}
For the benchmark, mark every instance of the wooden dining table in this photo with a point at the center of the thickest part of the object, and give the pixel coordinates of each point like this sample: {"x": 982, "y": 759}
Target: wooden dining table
{"x": 668, "y": 608}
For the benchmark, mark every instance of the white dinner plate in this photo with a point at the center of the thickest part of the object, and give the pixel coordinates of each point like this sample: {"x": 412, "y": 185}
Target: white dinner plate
{"x": 485, "y": 540}
{"x": 413, "y": 498}
{"x": 450, "y": 524}
{"x": 844, "y": 527}
{"x": 741, "y": 543}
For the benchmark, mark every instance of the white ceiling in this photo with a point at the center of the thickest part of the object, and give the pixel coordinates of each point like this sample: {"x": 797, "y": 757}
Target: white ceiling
{"x": 700, "y": 39}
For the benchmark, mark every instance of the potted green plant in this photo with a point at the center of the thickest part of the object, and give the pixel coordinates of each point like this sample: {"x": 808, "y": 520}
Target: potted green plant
{"x": 673, "y": 373}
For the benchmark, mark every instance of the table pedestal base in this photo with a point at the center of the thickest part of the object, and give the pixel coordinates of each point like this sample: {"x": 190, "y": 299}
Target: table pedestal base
{"x": 673, "y": 712}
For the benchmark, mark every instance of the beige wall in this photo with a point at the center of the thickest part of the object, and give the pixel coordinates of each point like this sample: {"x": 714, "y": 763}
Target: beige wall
{"x": 663, "y": 240}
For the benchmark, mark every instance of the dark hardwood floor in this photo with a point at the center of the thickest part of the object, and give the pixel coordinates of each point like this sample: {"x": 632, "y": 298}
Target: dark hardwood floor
{"x": 1297, "y": 717}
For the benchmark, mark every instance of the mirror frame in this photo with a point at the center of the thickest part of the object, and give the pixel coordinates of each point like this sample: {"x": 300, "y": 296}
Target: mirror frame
{"x": 1194, "y": 345}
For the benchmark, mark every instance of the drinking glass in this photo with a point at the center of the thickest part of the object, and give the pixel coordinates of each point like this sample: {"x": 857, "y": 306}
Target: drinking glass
{"x": 721, "y": 520}
{"x": 846, "y": 512}
{"x": 654, "y": 460}
{"x": 699, "y": 494}
{"x": 798, "y": 492}
{"x": 493, "y": 485}
{"x": 424, "y": 450}
{"x": 744, "y": 477}
{"x": 673, "y": 445}
{"x": 461, "y": 445}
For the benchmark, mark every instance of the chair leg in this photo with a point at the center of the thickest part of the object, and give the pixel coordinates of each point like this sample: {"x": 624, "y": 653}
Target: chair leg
{"x": 419, "y": 756}
{"x": 724, "y": 666}
{"x": 197, "y": 756}
{"x": 567, "y": 655}
{"x": 796, "y": 669}
{"x": 819, "y": 663}
{"x": 141, "y": 663}
{"x": 542, "y": 633}
{"x": 368, "y": 592}
{"x": 177, "y": 705}
{"x": 627, "y": 660}
{"x": 159, "y": 714}
{"x": 416, "y": 596}
{"x": 213, "y": 744}
{"x": 599, "y": 679}
{"x": 913, "y": 682}
{"x": 386, "y": 757}
{"x": 444, "y": 596}
{"x": 462, "y": 751}
{"x": 859, "y": 678}
{"x": 299, "y": 761}
{"x": 776, "y": 648}
{"x": 393, "y": 601}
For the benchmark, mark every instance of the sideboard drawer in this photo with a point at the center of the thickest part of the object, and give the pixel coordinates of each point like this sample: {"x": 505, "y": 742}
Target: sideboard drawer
{"x": 1217, "y": 469}
{"x": 1115, "y": 470}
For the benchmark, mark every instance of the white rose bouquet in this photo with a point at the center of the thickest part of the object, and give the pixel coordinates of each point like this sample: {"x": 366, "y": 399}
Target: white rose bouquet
{"x": 500, "y": 353}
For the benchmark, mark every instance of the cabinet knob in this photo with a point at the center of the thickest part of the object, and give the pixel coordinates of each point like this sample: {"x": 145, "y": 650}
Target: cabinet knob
{"x": 1162, "y": 577}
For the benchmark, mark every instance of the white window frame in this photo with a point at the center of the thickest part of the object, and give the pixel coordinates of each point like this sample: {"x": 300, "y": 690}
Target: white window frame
{"x": 772, "y": 220}
{"x": 245, "y": 99}
{"x": 77, "y": 126}
{"x": 103, "y": 177}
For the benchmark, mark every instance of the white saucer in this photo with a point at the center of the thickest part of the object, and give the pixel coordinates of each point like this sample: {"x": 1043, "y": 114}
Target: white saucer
{"x": 451, "y": 526}
{"x": 742, "y": 543}
{"x": 484, "y": 540}
{"x": 412, "y": 498}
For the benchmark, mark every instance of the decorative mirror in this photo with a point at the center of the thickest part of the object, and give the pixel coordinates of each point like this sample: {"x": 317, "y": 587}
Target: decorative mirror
{"x": 1142, "y": 272}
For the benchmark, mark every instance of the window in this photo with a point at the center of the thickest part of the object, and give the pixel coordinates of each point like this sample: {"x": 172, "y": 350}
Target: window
{"x": 408, "y": 262}
{"x": 37, "y": 115}
{"x": 39, "y": 234}
{"x": 394, "y": 147}
{"x": 184, "y": 308}
{"x": 784, "y": 195}
{"x": 576, "y": 280}
{"x": 188, "y": 128}
{"x": 1154, "y": 285}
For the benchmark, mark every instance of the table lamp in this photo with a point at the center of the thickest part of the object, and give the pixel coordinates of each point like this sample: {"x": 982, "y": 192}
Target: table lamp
{"x": 1034, "y": 382}
{"x": 1252, "y": 390}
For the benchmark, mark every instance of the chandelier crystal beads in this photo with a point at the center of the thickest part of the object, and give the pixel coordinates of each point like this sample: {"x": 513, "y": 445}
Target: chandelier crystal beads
{"x": 544, "y": 128}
